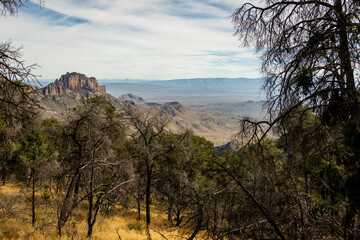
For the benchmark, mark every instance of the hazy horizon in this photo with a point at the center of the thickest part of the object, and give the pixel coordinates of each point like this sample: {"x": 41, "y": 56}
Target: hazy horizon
{"x": 147, "y": 79}
{"x": 187, "y": 91}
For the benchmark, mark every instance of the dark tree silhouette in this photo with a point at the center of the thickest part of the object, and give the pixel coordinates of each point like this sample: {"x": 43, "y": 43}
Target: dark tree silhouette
{"x": 151, "y": 143}
{"x": 310, "y": 61}
{"x": 91, "y": 166}
{"x": 310, "y": 54}
{"x": 18, "y": 103}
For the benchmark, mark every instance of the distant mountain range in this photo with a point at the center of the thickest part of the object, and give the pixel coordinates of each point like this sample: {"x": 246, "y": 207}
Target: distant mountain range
{"x": 229, "y": 84}
{"x": 190, "y": 91}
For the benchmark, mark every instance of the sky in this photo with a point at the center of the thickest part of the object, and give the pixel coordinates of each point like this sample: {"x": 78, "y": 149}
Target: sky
{"x": 131, "y": 39}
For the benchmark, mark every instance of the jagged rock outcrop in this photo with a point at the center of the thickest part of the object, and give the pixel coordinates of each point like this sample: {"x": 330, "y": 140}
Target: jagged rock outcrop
{"x": 73, "y": 81}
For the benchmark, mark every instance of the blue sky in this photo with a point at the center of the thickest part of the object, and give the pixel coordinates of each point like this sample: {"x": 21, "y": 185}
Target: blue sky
{"x": 142, "y": 39}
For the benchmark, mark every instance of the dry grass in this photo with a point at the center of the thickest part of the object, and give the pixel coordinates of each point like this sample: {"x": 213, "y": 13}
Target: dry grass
{"x": 15, "y": 221}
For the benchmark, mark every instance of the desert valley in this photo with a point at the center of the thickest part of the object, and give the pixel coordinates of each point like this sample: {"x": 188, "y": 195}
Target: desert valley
{"x": 211, "y": 108}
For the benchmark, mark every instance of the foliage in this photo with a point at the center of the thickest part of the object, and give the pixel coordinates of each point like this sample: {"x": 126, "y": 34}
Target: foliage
{"x": 35, "y": 152}
{"x": 310, "y": 53}
{"x": 136, "y": 226}
{"x": 18, "y": 101}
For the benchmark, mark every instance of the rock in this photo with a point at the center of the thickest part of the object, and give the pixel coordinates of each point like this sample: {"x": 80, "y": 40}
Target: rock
{"x": 173, "y": 106}
{"x": 131, "y": 97}
{"x": 71, "y": 81}
{"x": 172, "y": 109}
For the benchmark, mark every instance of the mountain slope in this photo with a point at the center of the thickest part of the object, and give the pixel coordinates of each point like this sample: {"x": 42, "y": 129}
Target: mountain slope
{"x": 217, "y": 129}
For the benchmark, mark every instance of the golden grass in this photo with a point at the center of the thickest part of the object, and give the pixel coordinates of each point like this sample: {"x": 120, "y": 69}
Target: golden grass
{"x": 15, "y": 221}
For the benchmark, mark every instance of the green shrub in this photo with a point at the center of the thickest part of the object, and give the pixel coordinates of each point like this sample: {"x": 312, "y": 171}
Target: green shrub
{"x": 136, "y": 226}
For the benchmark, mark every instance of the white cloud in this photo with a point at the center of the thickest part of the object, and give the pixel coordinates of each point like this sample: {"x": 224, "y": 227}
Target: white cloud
{"x": 148, "y": 39}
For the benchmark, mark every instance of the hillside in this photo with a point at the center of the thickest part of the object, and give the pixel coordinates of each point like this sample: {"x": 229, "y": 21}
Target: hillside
{"x": 206, "y": 121}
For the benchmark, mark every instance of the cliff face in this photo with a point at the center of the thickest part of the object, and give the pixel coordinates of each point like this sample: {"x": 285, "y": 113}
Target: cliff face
{"x": 73, "y": 81}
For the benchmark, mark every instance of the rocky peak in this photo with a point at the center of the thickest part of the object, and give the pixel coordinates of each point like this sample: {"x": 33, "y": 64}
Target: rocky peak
{"x": 174, "y": 105}
{"x": 131, "y": 97}
{"x": 73, "y": 81}
{"x": 172, "y": 108}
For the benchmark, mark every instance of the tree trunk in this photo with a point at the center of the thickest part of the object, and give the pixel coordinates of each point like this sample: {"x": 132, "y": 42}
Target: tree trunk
{"x": 33, "y": 176}
{"x": 4, "y": 173}
{"x": 68, "y": 205}
{"x": 139, "y": 200}
{"x": 198, "y": 225}
{"x": 148, "y": 192}
{"x": 345, "y": 60}
{"x": 179, "y": 218}
{"x": 349, "y": 222}
{"x": 90, "y": 229}
{"x": 91, "y": 198}
{"x": 215, "y": 214}
{"x": 170, "y": 209}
